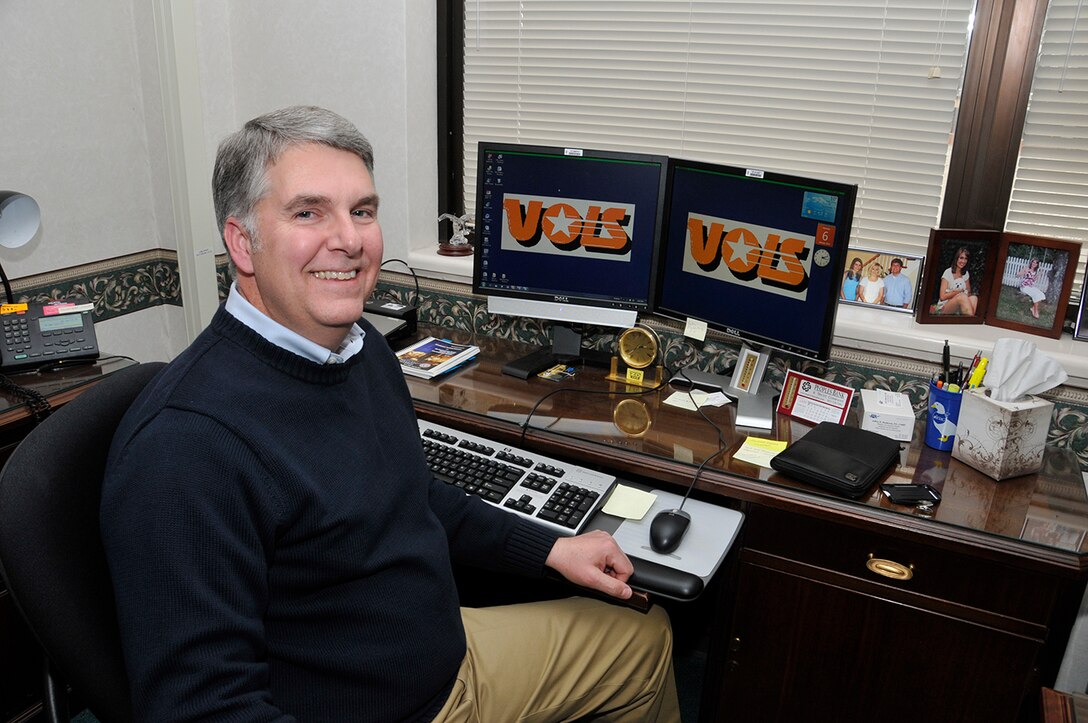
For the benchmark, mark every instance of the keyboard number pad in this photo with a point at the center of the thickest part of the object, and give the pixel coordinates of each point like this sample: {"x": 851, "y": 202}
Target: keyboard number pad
{"x": 568, "y": 505}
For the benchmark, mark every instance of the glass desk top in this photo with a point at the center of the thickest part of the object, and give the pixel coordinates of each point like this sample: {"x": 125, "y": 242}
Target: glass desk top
{"x": 634, "y": 431}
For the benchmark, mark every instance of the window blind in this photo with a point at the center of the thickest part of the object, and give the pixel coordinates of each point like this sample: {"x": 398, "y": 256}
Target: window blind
{"x": 1050, "y": 190}
{"x": 863, "y": 92}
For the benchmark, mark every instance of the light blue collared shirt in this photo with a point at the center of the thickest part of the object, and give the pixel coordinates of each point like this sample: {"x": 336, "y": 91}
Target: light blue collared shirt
{"x": 274, "y": 332}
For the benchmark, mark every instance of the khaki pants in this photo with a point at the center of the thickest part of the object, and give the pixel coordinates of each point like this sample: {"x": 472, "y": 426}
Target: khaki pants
{"x": 563, "y": 660}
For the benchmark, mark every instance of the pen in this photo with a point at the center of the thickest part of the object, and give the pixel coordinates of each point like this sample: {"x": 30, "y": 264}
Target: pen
{"x": 959, "y": 374}
{"x": 946, "y": 359}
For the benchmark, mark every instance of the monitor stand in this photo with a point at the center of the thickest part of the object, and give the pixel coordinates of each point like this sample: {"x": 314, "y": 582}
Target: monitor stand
{"x": 755, "y": 408}
{"x": 566, "y": 349}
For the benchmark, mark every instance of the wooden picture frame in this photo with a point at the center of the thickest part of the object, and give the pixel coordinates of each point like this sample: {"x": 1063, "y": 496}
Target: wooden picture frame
{"x": 1080, "y": 331}
{"x": 979, "y": 250}
{"x": 883, "y": 264}
{"x": 1030, "y": 291}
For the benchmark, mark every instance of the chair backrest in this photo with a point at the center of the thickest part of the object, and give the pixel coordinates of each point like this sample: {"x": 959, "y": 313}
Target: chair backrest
{"x": 51, "y": 554}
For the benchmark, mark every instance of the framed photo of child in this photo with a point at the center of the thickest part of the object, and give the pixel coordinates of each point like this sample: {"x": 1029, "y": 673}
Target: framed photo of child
{"x": 1080, "y": 331}
{"x": 886, "y": 280}
{"x": 1031, "y": 288}
{"x": 958, "y": 276}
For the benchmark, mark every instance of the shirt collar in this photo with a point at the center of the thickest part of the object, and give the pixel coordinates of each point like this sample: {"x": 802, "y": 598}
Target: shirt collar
{"x": 274, "y": 332}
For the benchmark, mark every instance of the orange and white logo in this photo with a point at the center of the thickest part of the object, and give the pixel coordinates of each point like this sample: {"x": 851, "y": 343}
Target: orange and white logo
{"x": 775, "y": 260}
{"x": 548, "y": 225}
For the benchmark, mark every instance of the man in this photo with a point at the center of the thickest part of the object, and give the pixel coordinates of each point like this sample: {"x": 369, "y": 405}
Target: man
{"x": 897, "y": 286}
{"x": 278, "y": 547}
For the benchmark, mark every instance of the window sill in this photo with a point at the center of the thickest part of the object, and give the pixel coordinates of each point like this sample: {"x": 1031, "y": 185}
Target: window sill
{"x": 857, "y": 327}
{"x": 873, "y": 330}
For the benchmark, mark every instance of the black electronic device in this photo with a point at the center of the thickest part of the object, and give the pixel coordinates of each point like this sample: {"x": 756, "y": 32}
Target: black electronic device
{"x": 667, "y": 530}
{"x": 51, "y": 334}
{"x": 569, "y": 235}
{"x": 758, "y": 255}
{"x": 911, "y": 494}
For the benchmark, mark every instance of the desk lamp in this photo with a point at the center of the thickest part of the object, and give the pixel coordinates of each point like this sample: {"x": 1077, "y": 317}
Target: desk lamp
{"x": 20, "y": 219}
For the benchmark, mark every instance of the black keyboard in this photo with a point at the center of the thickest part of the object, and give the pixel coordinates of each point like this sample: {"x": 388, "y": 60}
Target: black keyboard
{"x": 556, "y": 494}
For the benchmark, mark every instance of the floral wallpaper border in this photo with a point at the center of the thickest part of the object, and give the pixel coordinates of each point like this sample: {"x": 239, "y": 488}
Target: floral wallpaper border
{"x": 147, "y": 279}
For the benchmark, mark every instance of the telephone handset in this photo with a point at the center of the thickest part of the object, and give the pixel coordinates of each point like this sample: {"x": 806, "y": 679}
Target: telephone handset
{"x": 38, "y": 335}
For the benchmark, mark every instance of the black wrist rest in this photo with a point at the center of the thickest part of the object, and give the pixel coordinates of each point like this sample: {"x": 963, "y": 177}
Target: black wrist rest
{"x": 659, "y": 579}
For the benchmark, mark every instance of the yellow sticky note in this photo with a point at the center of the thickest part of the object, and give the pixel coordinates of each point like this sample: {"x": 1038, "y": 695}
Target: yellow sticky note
{"x": 12, "y": 308}
{"x": 629, "y": 503}
{"x": 759, "y": 451}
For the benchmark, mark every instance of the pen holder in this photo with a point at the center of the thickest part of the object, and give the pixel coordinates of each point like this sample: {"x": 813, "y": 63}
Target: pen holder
{"x": 944, "y": 412}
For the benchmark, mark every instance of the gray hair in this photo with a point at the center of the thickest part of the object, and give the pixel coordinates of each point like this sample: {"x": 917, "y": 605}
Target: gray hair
{"x": 240, "y": 178}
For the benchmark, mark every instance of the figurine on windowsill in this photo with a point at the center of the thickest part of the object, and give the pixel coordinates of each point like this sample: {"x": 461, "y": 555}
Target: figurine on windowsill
{"x": 458, "y": 245}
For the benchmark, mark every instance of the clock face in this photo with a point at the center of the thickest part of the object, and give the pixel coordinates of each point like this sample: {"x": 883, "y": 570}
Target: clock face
{"x": 638, "y": 347}
{"x": 821, "y": 257}
{"x": 631, "y": 417}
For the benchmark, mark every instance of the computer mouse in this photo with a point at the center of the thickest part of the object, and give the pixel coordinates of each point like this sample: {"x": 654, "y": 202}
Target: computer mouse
{"x": 667, "y": 529}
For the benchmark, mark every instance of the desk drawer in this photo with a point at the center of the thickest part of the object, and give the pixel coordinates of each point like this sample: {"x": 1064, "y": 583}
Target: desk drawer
{"x": 937, "y": 577}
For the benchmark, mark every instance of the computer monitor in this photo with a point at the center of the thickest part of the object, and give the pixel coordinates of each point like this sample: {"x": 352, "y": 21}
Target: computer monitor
{"x": 758, "y": 255}
{"x": 569, "y": 235}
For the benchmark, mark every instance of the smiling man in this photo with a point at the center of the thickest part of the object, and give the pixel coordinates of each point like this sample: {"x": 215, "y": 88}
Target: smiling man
{"x": 278, "y": 546}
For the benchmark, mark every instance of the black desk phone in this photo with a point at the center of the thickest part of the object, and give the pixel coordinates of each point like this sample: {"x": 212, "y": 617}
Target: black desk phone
{"x": 41, "y": 335}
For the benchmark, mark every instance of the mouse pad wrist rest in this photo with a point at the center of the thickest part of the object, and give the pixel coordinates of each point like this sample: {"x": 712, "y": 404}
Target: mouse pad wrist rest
{"x": 709, "y": 536}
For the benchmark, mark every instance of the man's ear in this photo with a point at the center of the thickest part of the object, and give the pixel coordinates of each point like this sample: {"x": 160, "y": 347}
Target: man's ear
{"x": 239, "y": 245}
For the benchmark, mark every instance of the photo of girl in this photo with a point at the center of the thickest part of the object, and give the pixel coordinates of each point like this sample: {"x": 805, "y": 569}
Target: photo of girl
{"x": 871, "y": 288}
{"x": 1033, "y": 277}
{"x": 959, "y": 276}
{"x": 1028, "y": 277}
{"x": 955, "y": 294}
{"x": 849, "y": 289}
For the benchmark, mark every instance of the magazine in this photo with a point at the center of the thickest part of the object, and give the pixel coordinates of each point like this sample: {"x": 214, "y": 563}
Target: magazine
{"x": 432, "y": 357}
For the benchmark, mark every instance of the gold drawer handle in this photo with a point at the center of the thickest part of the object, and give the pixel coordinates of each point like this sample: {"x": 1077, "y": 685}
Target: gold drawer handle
{"x": 890, "y": 568}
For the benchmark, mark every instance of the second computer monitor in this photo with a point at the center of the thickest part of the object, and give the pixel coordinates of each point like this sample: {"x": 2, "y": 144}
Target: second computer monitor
{"x": 755, "y": 254}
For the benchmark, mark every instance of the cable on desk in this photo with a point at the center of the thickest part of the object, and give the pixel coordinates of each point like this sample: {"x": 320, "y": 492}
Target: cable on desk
{"x": 410, "y": 270}
{"x": 722, "y": 446}
{"x": 37, "y": 403}
{"x": 525, "y": 425}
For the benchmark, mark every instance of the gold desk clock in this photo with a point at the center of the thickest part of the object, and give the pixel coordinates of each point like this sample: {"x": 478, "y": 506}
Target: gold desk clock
{"x": 634, "y": 363}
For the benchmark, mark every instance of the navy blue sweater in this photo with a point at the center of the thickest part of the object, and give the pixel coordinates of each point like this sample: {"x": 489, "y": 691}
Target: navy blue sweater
{"x": 278, "y": 547}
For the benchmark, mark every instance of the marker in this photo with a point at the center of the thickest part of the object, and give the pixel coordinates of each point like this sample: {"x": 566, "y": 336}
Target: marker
{"x": 946, "y": 359}
{"x": 979, "y": 374}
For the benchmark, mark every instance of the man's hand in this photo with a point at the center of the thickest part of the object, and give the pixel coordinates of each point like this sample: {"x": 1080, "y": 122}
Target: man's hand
{"x": 592, "y": 560}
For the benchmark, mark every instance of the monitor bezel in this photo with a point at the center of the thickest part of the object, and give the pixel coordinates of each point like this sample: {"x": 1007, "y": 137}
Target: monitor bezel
{"x": 573, "y": 308}
{"x": 838, "y": 256}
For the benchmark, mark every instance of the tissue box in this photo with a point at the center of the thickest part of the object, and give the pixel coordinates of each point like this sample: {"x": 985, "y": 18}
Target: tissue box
{"x": 1002, "y": 439}
{"x": 887, "y": 413}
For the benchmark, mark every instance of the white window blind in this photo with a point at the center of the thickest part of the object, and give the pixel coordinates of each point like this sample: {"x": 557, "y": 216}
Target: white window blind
{"x": 863, "y": 92}
{"x": 1050, "y": 192}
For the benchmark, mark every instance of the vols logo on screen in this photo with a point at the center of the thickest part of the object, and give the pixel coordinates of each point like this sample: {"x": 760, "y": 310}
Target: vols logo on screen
{"x": 775, "y": 260}
{"x": 567, "y": 226}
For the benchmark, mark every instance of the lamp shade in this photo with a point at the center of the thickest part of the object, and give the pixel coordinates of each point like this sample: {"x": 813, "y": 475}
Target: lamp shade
{"x": 20, "y": 218}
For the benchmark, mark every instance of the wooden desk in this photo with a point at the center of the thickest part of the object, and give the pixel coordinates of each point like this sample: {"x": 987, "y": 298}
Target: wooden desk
{"x": 1061, "y": 707}
{"x": 20, "y": 656}
{"x": 805, "y": 630}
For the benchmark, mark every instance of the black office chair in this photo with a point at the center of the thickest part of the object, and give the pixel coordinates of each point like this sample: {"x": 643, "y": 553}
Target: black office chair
{"x": 51, "y": 555}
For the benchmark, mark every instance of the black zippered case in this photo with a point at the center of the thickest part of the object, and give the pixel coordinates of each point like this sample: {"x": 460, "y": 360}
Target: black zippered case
{"x": 846, "y": 460}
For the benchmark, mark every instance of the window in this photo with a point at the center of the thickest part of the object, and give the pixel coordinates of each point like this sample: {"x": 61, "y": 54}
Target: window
{"x": 859, "y": 91}
{"x": 1050, "y": 190}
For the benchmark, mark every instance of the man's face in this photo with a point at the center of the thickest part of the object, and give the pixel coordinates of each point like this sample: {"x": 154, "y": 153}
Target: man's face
{"x": 318, "y": 246}
{"x": 896, "y": 268}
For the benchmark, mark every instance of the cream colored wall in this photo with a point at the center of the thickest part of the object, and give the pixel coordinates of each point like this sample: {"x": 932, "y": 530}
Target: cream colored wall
{"x": 82, "y": 124}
